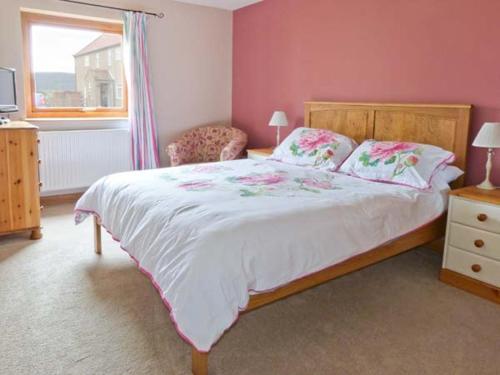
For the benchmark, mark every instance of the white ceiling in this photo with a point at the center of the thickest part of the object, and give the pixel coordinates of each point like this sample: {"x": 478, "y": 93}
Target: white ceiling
{"x": 224, "y": 4}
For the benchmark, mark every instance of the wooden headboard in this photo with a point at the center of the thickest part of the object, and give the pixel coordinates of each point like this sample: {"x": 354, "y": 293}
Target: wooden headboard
{"x": 446, "y": 126}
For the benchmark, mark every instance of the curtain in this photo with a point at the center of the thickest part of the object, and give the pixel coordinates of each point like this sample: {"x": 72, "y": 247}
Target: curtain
{"x": 140, "y": 101}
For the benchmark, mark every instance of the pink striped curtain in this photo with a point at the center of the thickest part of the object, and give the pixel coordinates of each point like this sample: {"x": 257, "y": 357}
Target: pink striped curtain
{"x": 140, "y": 101}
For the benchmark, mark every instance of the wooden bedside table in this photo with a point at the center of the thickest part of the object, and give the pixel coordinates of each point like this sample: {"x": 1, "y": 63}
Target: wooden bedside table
{"x": 259, "y": 153}
{"x": 471, "y": 258}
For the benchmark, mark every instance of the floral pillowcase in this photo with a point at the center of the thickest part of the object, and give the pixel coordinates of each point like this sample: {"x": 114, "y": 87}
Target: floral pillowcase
{"x": 404, "y": 163}
{"x": 314, "y": 147}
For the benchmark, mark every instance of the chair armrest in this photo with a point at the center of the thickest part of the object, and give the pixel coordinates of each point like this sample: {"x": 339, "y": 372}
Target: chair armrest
{"x": 179, "y": 153}
{"x": 233, "y": 149}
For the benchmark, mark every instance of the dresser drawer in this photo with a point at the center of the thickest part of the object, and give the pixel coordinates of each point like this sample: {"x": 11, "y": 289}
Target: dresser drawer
{"x": 478, "y": 215}
{"x": 463, "y": 262}
{"x": 475, "y": 240}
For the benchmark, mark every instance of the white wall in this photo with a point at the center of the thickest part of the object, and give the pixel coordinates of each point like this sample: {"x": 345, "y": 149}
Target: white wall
{"x": 190, "y": 55}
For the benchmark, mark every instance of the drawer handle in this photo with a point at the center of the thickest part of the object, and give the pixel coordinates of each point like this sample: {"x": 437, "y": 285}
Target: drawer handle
{"x": 482, "y": 217}
{"x": 475, "y": 268}
{"x": 478, "y": 243}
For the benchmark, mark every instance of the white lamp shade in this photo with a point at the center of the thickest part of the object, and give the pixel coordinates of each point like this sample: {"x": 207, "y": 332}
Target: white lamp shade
{"x": 488, "y": 136}
{"x": 278, "y": 119}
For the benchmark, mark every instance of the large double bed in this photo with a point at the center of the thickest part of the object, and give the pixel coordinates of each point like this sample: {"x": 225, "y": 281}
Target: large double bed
{"x": 224, "y": 238}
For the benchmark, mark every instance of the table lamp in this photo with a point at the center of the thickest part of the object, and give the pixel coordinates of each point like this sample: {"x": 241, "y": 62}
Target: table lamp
{"x": 279, "y": 119}
{"x": 488, "y": 137}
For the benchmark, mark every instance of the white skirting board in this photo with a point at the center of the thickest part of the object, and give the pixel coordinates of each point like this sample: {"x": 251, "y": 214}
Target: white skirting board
{"x": 73, "y": 160}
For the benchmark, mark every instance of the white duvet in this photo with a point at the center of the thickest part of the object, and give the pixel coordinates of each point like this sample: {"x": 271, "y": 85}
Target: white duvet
{"x": 208, "y": 235}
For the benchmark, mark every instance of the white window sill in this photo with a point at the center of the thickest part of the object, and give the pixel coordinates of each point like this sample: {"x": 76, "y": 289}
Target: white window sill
{"x": 81, "y": 119}
{"x": 81, "y": 123}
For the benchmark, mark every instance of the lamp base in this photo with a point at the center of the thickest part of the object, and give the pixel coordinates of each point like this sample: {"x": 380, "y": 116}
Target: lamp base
{"x": 486, "y": 185}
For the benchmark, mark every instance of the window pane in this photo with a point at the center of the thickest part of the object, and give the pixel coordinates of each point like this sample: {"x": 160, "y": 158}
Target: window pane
{"x": 73, "y": 68}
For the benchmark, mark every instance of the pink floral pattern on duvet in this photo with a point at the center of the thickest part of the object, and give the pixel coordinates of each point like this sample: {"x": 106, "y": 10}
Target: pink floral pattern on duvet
{"x": 249, "y": 184}
{"x": 312, "y": 184}
{"x": 259, "y": 179}
{"x": 197, "y": 185}
{"x": 210, "y": 168}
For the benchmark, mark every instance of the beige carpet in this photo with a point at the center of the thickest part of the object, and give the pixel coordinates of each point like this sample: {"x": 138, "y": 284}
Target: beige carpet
{"x": 64, "y": 310}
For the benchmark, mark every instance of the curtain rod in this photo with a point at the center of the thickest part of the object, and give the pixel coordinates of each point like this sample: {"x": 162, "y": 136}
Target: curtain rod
{"x": 159, "y": 15}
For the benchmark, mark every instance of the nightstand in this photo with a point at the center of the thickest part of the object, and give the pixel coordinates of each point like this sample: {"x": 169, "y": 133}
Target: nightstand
{"x": 259, "y": 153}
{"x": 472, "y": 248}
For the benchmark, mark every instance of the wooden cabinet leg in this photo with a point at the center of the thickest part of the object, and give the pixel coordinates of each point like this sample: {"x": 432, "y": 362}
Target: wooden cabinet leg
{"x": 36, "y": 234}
{"x": 199, "y": 364}
{"x": 97, "y": 236}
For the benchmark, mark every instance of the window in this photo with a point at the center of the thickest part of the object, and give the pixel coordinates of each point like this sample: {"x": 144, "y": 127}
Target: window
{"x": 119, "y": 90}
{"x": 70, "y": 76}
{"x": 118, "y": 54}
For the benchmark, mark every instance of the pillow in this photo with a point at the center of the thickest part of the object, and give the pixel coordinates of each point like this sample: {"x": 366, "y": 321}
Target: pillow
{"x": 404, "y": 163}
{"x": 314, "y": 147}
{"x": 448, "y": 173}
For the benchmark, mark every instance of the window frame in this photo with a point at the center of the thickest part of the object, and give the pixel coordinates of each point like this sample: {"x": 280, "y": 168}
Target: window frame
{"x": 29, "y": 19}
{"x": 117, "y": 91}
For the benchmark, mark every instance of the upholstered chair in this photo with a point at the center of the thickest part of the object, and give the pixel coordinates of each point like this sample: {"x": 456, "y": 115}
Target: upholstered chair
{"x": 207, "y": 144}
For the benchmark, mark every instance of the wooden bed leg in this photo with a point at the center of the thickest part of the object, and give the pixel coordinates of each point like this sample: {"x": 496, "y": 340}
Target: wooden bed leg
{"x": 97, "y": 236}
{"x": 199, "y": 364}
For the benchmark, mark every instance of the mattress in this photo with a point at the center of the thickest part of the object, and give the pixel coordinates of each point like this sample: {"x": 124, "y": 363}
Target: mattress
{"x": 210, "y": 235}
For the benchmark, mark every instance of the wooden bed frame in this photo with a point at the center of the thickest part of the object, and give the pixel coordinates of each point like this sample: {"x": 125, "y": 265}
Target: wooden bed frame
{"x": 446, "y": 126}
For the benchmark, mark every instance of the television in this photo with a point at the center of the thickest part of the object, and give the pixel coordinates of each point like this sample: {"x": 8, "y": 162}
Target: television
{"x": 8, "y": 99}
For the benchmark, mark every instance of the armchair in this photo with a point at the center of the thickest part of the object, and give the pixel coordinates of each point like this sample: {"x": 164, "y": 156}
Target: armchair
{"x": 207, "y": 144}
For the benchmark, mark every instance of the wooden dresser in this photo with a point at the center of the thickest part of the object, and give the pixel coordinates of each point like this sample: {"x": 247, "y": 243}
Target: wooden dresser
{"x": 472, "y": 250}
{"x": 19, "y": 180}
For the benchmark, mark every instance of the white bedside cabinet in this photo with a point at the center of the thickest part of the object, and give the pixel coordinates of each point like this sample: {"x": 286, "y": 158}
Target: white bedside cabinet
{"x": 472, "y": 248}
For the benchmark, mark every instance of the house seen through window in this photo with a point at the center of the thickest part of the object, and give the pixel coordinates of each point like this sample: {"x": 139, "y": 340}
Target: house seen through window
{"x": 74, "y": 67}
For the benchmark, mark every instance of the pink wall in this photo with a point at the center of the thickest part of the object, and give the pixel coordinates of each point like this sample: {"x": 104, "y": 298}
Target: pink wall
{"x": 289, "y": 51}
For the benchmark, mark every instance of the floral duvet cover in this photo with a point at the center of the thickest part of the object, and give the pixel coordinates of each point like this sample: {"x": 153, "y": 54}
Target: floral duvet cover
{"x": 209, "y": 235}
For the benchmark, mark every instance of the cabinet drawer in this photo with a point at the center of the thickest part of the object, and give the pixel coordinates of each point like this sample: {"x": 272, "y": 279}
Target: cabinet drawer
{"x": 475, "y": 240}
{"x": 478, "y": 215}
{"x": 460, "y": 261}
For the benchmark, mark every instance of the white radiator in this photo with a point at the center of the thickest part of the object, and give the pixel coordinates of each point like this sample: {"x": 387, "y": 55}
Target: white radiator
{"x": 73, "y": 160}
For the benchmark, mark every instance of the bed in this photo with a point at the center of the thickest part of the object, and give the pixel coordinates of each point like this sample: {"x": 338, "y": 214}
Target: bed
{"x": 215, "y": 238}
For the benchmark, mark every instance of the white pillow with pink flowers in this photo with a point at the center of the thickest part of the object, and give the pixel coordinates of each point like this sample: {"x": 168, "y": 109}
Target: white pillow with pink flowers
{"x": 314, "y": 147}
{"x": 404, "y": 163}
